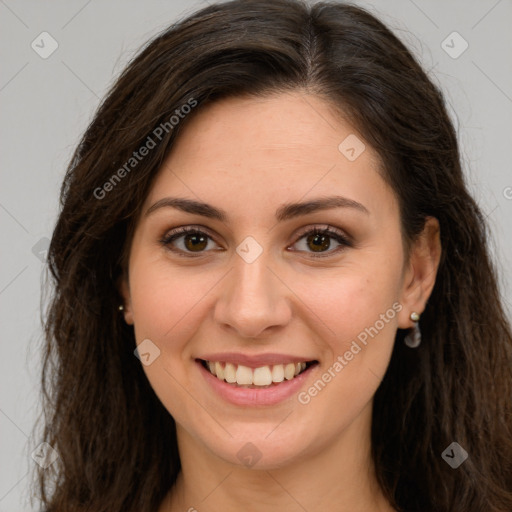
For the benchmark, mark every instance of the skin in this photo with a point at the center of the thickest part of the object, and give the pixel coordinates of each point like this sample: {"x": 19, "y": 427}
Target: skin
{"x": 248, "y": 156}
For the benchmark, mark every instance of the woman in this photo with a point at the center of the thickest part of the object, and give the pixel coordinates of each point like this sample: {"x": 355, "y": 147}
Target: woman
{"x": 272, "y": 288}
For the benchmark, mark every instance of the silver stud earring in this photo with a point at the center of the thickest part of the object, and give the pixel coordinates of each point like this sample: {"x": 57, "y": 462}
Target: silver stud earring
{"x": 121, "y": 307}
{"x": 413, "y": 337}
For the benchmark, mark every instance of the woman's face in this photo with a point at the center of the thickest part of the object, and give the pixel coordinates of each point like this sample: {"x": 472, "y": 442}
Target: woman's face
{"x": 258, "y": 290}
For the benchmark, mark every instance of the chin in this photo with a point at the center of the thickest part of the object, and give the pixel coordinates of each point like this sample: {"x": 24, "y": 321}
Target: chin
{"x": 260, "y": 447}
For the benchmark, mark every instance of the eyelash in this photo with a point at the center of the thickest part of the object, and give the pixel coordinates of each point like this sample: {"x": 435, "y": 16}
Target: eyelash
{"x": 180, "y": 232}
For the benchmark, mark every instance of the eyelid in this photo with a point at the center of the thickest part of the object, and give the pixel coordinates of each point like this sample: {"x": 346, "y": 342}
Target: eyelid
{"x": 187, "y": 229}
{"x": 322, "y": 228}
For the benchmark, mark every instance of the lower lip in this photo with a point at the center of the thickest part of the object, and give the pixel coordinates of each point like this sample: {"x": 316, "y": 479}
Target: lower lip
{"x": 252, "y": 396}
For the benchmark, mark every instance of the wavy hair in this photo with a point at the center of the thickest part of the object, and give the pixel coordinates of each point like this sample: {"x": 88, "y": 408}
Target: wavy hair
{"x": 116, "y": 441}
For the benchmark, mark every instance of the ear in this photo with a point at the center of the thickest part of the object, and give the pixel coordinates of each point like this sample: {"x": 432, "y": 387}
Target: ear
{"x": 124, "y": 289}
{"x": 420, "y": 274}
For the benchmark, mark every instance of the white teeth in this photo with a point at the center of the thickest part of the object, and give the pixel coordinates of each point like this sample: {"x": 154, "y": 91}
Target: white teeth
{"x": 219, "y": 371}
{"x": 243, "y": 375}
{"x": 289, "y": 371}
{"x": 278, "y": 373}
{"x": 261, "y": 376}
{"x": 229, "y": 372}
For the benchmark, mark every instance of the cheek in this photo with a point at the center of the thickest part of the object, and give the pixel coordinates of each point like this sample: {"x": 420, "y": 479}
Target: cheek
{"x": 352, "y": 299}
{"x": 167, "y": 305}
{"x": 360, "y": 308}
{"x": 359, "y": 304}
{"x": 165, "y": 300}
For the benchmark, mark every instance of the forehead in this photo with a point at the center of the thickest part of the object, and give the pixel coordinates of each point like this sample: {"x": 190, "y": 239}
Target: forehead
{"x": 265, "y": 151}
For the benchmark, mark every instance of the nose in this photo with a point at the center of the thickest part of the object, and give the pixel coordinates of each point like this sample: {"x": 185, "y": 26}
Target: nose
{"x": 253, "y": 300}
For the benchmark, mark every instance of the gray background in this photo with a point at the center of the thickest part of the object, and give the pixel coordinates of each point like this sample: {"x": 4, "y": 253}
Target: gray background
{"x": 47, "y": 103}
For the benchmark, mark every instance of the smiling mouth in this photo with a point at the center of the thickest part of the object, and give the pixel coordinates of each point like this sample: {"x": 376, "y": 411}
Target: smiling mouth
{"x": 256, "y": 378}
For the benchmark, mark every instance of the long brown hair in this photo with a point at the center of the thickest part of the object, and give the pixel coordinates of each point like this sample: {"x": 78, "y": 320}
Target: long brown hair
{"x": 116, "y": 441}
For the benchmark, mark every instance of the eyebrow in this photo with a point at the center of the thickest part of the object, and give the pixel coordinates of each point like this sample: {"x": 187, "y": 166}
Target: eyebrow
{"x": 284, "y": 212}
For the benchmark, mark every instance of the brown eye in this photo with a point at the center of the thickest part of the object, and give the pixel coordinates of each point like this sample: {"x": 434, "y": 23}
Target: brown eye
{"x": 195, "y": 242}
{"x": 317, "y": 242}
{"x": 186, "y": 241}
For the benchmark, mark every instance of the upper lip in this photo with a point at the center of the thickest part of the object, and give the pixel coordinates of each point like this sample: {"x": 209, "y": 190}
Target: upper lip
{"x": 255, "y": 361}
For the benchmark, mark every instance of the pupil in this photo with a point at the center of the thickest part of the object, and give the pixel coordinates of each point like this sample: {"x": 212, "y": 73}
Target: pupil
{"x": 195, "y": 241}
{"x": 319, "y": 241}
